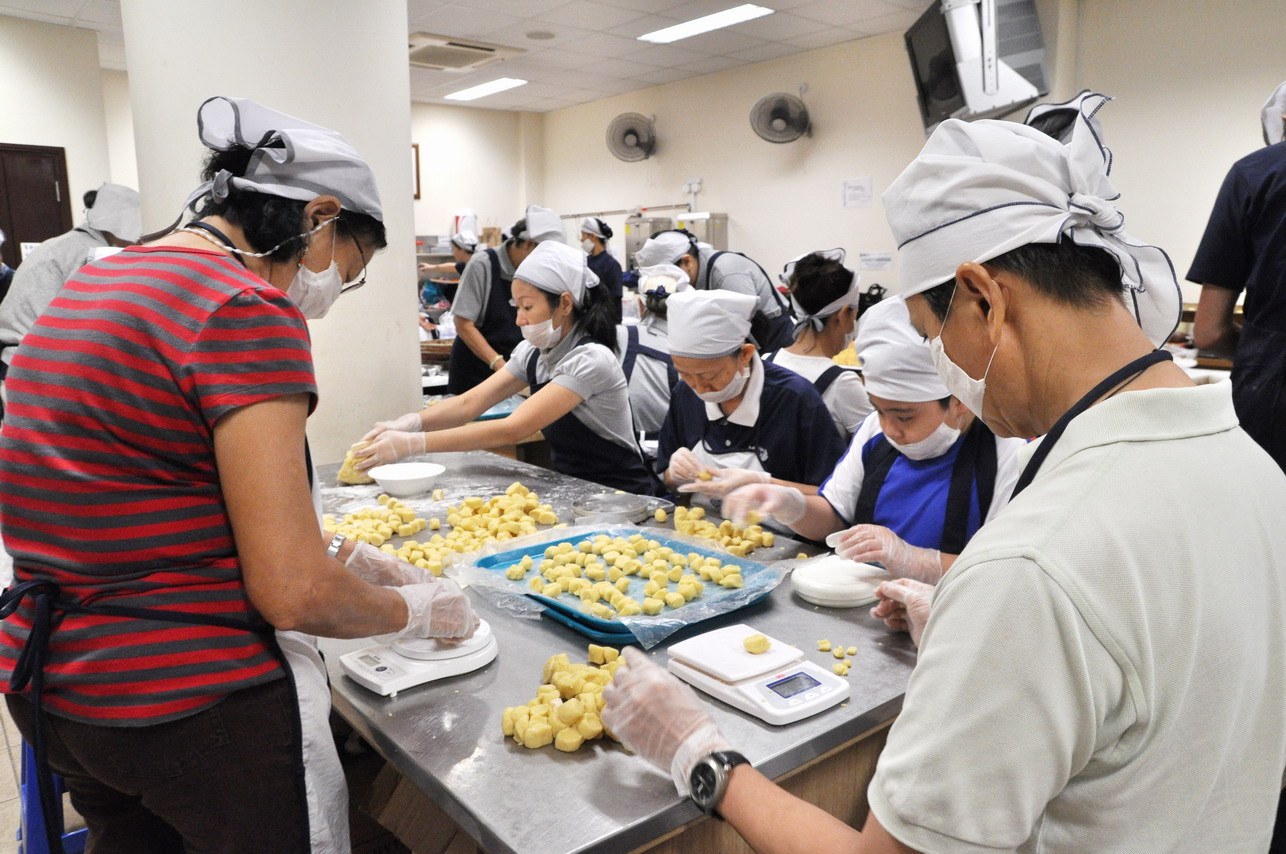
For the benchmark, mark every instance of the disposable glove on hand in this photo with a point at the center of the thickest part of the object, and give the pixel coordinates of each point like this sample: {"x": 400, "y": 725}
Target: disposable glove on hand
{"x": 783, "y": 503}
{"x": 875, "y": 543}
{"x": 660, "y": 718}
{"x": 437, "y": 609}
{"x": 725, "y": 481}
{"x": 684, "y": 467}
{"x": 904, "y": 605}
{"x": 389, "y": 447}
{"x": 379, "y": 567}
{"x": 408, "y": 423}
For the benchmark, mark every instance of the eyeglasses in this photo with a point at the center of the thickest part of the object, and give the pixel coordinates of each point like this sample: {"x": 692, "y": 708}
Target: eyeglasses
{"x": 361, "y": 279}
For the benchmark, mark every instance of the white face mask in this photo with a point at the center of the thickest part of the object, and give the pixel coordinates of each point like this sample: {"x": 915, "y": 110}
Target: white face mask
{"x": 314, "y": 293}
{"x": 935, "y": 444}
{"x": 543, "y": 335}
{"x": 965, "y": 388}
{"x": 728, "y": 392}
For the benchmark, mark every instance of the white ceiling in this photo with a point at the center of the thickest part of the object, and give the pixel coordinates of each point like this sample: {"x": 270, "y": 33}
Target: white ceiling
{"x": 594, "y": 53}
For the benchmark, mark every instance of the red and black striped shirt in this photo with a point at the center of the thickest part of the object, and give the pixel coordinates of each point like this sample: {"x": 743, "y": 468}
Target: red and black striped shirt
{"x": 108, "y": 483}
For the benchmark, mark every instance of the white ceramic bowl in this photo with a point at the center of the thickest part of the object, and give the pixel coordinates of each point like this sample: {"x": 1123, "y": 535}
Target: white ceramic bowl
{"x": 403, "y": 480}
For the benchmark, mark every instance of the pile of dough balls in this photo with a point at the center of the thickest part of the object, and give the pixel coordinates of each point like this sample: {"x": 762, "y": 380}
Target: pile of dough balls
{"x": 599, "y": 571}
{"x": 377, "y": 525}
{"x": 738, "y": 541}
{"x": 566, "y": 709}
{"x": 841, "y": 667}
{"x": 501, "y": 518}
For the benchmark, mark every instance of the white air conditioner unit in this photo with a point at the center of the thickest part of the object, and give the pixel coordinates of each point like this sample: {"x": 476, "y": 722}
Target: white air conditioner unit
{"x": 445, "y": 53}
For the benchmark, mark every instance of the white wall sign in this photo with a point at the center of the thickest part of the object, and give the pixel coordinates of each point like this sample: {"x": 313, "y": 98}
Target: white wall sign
{"x": 27, "y": 248}
{"x": 857, "y": 192}
{"x": 875, "y": 261}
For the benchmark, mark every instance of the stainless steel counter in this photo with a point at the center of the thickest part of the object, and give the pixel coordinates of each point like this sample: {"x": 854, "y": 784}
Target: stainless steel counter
{"x": 445, "y": 736}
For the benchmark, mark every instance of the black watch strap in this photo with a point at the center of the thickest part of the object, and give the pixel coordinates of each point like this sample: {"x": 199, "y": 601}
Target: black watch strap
{"x": 724, "y": 761}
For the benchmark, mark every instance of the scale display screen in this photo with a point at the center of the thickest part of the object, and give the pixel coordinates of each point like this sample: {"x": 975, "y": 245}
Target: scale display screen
{"x": 792, "y": 685}
{"x": 369, "y": 660}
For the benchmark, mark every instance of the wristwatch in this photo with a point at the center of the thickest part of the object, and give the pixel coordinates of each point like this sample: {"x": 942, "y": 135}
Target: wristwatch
{"x": 709, "y": 779}
{"x": 335, "y": 542}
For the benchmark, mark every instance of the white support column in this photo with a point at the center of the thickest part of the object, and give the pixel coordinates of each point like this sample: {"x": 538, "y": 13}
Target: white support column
{"x": 338, "y": 64}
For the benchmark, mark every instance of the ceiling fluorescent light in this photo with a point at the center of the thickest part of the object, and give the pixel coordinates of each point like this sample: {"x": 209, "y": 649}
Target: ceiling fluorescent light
{"x": 697, "y": 26}
{"x": 482, "y": 90}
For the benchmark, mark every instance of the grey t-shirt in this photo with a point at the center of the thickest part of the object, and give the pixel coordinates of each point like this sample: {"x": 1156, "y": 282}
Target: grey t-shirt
{"x": 475, "y": 285}
{"x": 592, "y": 372}
{"x": 733, "y": 272}
{"x": 39, "y": 279}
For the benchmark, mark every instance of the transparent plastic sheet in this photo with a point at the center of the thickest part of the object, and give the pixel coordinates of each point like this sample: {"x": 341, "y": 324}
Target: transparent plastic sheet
{"x": 511, "y": 598}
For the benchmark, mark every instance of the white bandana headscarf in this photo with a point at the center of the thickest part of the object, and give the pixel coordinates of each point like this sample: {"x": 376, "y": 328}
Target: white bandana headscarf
{"x": 1271, "y": 116}
{"x": 292, "y": 158}
{"x": 593, "y": 225}
{"x": 896, "y": 362}
{"x": 818, "y": 318}
{"x": 665, "y": 278}
{"x": 116, "y": 209}
{"x": 709, "y": 324}
{"x": 466, "y": 240}
{"x": 557, "y": 268}
{"x": 980, "y": 189}
{"x": 542, "y": 225}
{"x": 666, "y": 248}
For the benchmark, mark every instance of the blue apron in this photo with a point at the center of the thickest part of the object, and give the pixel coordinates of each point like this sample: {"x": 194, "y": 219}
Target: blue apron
{"x": 577, "y": 450}
{"x": 498, "y": 324}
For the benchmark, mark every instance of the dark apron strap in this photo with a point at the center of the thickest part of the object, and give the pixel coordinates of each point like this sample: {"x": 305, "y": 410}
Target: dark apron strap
{"x": 30, "y": 668}
{"x": 631, "y": 351}
{"x": 1129, "y": 372}
{"x": 977, "y": 457}
{"x": 829, "y": 376}
{"x": 876, "y": 467}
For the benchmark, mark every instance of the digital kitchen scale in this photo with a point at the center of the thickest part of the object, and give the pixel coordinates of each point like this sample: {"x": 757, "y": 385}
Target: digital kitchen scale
{"x": 387, "y": 669}
{"x": 777, "y": 686}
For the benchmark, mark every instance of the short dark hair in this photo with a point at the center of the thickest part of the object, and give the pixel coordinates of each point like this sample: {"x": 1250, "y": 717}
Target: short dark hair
{"x": 269, "y": 221}
{"x": 817, "y": 281}
{"x": 89, "y": 198}
{"x": 1084, "y": 277}
{"x": 519, "y": 227}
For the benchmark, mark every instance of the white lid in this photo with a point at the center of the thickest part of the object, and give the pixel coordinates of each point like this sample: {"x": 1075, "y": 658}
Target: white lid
{"x": 833, "y": 582}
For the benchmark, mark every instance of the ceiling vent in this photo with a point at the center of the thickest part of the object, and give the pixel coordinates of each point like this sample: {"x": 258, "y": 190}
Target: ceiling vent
{"x": 444, "y": 53}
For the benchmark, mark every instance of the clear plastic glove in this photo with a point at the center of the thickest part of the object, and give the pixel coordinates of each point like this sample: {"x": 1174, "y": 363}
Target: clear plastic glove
{"x": 437, "y": 609}
{"x": 387, "y": 570}
{"x": 725, "y": 481}
{"x": 904, "y": 605}
{"x": 785, "y": 504}
{"x": 877, "y": 544}
{"x": 388, "y": 447}
{"x": 660, "y": 718}
{"x": 408, "y": 423}
{"x": 684, "y": 467}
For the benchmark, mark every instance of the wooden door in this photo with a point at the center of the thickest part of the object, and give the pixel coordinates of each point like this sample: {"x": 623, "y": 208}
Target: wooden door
{"x": 34, "y": 197}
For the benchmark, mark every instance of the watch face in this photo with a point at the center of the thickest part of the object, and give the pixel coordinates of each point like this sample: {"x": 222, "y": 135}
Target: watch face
{"x": 703, "y": 782}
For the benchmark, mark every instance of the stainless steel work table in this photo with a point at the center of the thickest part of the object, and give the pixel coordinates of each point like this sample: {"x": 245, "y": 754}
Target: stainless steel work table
{"x": 445, "y": 736}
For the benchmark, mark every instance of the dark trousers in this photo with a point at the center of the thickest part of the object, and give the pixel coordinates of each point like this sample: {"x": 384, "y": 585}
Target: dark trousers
{"x": 226, "y": 779}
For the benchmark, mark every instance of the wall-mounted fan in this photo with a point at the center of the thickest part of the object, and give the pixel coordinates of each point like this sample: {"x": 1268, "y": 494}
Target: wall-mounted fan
{"x": 780, "y": 117}
{"x": 631, "y": 137}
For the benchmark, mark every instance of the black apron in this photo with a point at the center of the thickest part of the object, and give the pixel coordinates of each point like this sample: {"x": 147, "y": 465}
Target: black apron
{"x": 975, "y": 464}
{"x": 498, "y": 324}
{"x": 780, "y": 330}
{"x": 577, "y": 450}
{"x": 1259, "y": 388}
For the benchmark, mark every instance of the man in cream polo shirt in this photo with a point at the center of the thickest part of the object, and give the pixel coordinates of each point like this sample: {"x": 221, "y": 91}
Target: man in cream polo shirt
{"x": 1104, "y": 667}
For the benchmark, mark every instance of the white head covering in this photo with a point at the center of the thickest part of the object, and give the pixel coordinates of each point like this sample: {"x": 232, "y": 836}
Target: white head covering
{"x": 542, "y": 224}
{"x": 709, "y": 324}
{"x": 292, "y": 158}
{"x": 818, "y": 318}
{"x": 666, "y": 248}
{"x": 557, "y": 268}
{"x": 981, "y": 189}
{"x": 466, "y": 240}
{"x": 665, "y": 278}
{"x": 1271, "y": 116}
{"x": 116, "y": 209}
{"x": 593, "y": 225}
{"x": 896, "y": 363}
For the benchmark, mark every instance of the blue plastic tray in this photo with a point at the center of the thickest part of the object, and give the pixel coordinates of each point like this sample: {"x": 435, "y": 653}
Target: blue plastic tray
{"x": 610, "y": 630}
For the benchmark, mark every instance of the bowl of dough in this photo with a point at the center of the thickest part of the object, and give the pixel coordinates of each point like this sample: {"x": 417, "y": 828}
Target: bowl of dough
{"x": 402, "y": 480}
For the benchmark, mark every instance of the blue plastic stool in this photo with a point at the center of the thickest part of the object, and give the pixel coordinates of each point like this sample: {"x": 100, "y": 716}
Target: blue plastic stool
{"x": 31, "y": 830}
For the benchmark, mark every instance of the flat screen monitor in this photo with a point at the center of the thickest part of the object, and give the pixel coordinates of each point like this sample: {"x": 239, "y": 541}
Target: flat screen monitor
{"x": 933, "y": 63}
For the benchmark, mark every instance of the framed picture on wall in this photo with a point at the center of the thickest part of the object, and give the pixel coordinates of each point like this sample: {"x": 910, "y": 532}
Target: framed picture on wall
{"x": 415, "y": 167}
